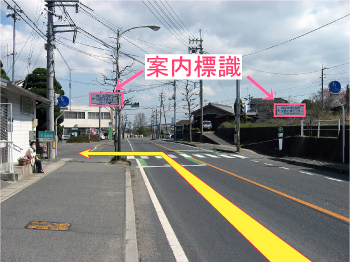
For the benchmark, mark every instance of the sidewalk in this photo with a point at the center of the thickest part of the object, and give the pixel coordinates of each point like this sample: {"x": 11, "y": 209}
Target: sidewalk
{"x": 91, "y": 195}
{"x": 312, "y": 163}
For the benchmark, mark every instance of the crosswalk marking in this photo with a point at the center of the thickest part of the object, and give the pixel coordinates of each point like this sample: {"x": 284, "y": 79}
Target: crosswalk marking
{"x": 185, "y": 155}
{"x": 227, "y": 156}
{"x": 243, "y": 157}
{"x": 144, "y": 157}
{"x": 159, "y": 157}
{"x": 197, "y": 155}
{"x": 213, "y": 156}
{"x": 130, "y": 157}
{"x": 172, "y": 156}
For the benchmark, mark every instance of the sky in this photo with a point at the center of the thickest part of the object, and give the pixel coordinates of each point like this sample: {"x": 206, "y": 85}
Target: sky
{"x": 304, "y": 36}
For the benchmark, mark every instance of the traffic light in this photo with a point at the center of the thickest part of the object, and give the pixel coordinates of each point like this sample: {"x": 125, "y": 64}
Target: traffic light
{"x": 134, "y": 104}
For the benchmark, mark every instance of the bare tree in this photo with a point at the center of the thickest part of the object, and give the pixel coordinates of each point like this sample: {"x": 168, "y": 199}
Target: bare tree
{"x": 140, "y": 120}
{"x": 189, "y": 93}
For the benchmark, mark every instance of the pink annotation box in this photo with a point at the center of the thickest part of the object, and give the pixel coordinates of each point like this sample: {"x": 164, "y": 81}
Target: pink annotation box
{"x": 289, "y": 110}
{"x": 106, "y": 99}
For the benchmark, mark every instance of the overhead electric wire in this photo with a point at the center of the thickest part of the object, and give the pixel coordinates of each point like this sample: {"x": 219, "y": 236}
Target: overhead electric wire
{"x": 162, "y": 22}
{"x": 170, "y": 20}
{"x": 296, "y": 37}
{"x": 179, "y": 19}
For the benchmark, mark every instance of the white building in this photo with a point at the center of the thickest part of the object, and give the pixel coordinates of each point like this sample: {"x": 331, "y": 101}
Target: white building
{"x": 79, "y": 119}
{"x": 17, "y": 122}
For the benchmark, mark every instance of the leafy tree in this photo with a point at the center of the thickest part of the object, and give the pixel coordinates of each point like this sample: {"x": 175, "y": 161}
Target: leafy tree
{"x": 309, "y": 103}
{"x": 36, "y": 83}
{"x": 3, "y": 72}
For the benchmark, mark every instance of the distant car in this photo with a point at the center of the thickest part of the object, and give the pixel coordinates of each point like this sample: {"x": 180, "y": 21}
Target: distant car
{"x": 65, "y": 137}
{"x": 207, "y": 125}
{"x": 167, "y": 135}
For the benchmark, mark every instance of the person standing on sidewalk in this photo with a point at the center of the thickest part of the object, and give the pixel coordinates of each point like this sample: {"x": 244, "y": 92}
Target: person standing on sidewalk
{"x": 31, "y": 153}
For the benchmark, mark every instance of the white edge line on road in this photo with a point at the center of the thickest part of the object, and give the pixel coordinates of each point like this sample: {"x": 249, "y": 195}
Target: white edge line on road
{"x": 131, "y": 250}
{"x": 169, "y": 232}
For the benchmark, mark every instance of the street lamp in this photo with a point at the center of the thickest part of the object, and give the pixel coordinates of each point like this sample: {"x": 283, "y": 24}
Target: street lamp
{"x": 118, "y": 110}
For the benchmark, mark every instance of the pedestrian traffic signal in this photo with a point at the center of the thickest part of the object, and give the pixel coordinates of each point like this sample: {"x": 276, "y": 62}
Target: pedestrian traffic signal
{"x": 134, "y": 104}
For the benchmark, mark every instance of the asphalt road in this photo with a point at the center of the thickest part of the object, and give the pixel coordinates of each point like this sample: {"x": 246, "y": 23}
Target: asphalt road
{"x": 307, "y": 209}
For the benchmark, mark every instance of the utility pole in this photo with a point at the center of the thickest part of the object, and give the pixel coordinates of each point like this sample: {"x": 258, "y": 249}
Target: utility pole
{"x": 193, "y": 50}
{"x": 156, "y": 123}
{"x": 50, "y": 45}
{"x": 238, "y": 114}
{"x": 160, "y": 113}
{"x": 174, "y": 109}
{"x": 323, "y": 68}
{"x": 15, "y": 10}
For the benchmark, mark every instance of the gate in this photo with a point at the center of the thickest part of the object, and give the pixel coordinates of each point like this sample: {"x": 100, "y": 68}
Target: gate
{"x": 6, "y": 144}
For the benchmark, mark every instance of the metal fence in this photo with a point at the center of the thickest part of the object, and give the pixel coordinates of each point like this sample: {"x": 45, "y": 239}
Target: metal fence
{"x": 6, "y": 145}
{"x": 310, "y": 127}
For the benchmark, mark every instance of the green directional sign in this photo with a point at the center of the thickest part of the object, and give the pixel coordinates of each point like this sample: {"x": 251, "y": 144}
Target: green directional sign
{"x": 46, "y": 136}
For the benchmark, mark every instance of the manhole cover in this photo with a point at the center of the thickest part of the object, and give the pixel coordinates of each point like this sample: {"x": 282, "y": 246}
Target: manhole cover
{"x": 48, "y": 225}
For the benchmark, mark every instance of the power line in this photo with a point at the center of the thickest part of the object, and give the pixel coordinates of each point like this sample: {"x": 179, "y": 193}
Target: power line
{"x": 296, "y": 37}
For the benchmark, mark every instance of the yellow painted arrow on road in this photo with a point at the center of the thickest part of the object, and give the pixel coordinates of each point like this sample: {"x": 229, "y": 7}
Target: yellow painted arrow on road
{"x": 269, "y": 244}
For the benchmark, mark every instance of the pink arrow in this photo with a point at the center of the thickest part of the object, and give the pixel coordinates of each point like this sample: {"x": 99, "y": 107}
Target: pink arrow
{"x": 269, "y": 95}
{"x": 119, "y": 86}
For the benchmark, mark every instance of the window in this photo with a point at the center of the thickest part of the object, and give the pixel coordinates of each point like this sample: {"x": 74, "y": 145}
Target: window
{"x": 74, "y": 115}
{"x": 95, "y": 115}
{"x": 27, "y": 106}
{"x": 106, "y": 116}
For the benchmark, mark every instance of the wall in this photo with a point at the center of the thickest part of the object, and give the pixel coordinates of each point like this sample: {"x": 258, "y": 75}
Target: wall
{"x": 22, "y": 124}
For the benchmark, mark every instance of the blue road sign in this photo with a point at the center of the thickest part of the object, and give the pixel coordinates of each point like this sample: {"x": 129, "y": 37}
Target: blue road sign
{"x": 63, "y": 101}
{"x": 334, "y": 86}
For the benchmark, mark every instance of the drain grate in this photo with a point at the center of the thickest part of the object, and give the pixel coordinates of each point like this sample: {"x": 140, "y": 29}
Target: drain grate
{"x": 48, "y": 226}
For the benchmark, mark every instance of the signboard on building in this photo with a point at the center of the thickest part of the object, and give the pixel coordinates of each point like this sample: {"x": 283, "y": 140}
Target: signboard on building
{"x": 289, "y": 110}
{"x": 46, "y": 136}
{"x": 187, "y": 66}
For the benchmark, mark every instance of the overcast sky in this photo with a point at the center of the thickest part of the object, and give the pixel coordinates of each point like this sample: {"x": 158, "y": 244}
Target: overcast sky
{"x": 292, "y": 69}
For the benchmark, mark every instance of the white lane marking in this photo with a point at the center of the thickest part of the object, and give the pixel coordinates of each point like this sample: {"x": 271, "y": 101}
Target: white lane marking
{"x": 172, "y": 156}
{"x": 306, "y": 173}
{"x": 268, "y": 164}
{"x": 132, "y": 149}
{"x": 255, "y": 161}
{"x": 334, "y": 179}
{"x": 159, "y": 157}
{"x": 286, "y": 168}
{"x": 213, "y": 156}
{"x": 14, "y": 188}
{"x": 144, "y": 157}
{"x": 130, "y": 157}
{"x": 227, "y": 156}
{"x": 197, "y": 155}
{"x": 169, "y": 232}
{"x": 185, "y": 155}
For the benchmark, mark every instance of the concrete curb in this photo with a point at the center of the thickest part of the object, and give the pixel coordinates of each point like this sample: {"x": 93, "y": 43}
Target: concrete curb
{"x": 131, "y": 249}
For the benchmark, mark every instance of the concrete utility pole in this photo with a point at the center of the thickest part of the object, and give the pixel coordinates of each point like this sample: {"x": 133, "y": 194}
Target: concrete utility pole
{"x": 174, "y": 109}
{"x": 194, "y": 50}
{"x": 160, "y": 113}
{"x": 50, "y": 45}
{"x": 238, "y": 113}
{"x": 15, "y": 10}
{"x": 323, "y": 68}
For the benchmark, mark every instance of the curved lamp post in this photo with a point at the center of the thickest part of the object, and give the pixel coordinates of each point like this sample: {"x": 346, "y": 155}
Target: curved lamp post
{"x": 118, "y": 110}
